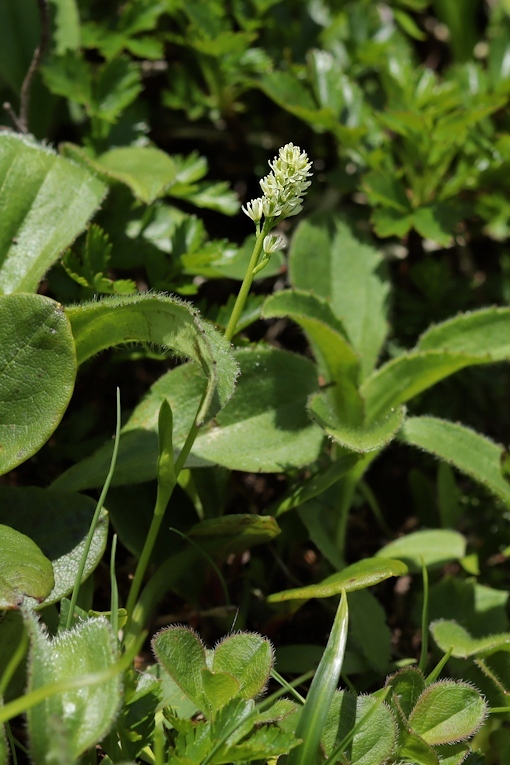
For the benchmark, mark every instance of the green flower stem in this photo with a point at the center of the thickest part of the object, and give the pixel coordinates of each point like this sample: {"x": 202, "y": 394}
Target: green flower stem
{"x": 163, "y": 498}
{"x": 248, "y": 280}
{"x": 165, "y": 492}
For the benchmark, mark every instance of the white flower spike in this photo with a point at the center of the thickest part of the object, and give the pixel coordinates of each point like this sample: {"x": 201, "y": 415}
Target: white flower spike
{"x": 284, "y": 187}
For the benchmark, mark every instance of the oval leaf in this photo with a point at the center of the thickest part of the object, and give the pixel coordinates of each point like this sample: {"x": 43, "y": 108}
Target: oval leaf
{"x": 364, "y": 573}
{"x": 37, "y": 373}
{"x": 375, "y": 737}
{"x": 448, "y": 712}
{"x": 77, "y": 718}
{"x": 46, "y": 201}
{"x": 436, "y": 547}
{"x": 181, "y": 653}
{"x": 408, "y": 684}
{"x": 264, "y": 427}
{"x": 58, "y": 522}
{"x": 24, "y": 570}
{"x": 165, "y": 321}
{"x": 249, "y": 658}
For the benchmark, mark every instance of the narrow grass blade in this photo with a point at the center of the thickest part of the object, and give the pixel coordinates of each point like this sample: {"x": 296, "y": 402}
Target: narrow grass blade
{"x": 323, "y": 686}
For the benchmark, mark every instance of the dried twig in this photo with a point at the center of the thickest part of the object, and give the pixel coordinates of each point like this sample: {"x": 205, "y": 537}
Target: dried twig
{"x": 21, "y": 121}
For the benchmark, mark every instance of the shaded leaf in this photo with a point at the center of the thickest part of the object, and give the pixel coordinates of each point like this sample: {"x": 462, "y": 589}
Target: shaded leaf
{"x": 24, "y": 570}
{"x": 46, "y": 202}
{"x": 37, "y": 373}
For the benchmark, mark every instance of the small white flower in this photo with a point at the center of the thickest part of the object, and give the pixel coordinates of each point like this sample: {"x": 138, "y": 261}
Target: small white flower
{"x": 254, "y": 209}
{"x": 273, "y": 243}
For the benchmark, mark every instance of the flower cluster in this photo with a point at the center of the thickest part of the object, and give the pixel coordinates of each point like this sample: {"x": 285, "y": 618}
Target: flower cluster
{"x": 284, "y": 187}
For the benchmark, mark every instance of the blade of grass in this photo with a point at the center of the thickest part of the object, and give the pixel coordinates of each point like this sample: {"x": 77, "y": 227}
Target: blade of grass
{"x": 114, "y": 591}
{"x": 95, "y": 519}
{"x": 324, "y": 684}
{"x": 424, "y": 619}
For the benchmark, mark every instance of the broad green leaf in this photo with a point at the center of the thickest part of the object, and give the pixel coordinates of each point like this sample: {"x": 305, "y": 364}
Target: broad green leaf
{"x": 165, "y": 321}
{"x": 318, "y": 700}
{"x": 450, "y": 634}
{"x": 265, "y": 427}
{"x": 248, "y": 657}
{"x": 364, "y": 573}
{"x": 58, "y": 522}
{"x": 468, "y": 451}
{"x": 181, "y": 653}
{"x": 362, "y": 439}
{"x": 404, "y": 377}
{"x": 24, "y": 570}
{"x": 328, "y": 259}
{"x": 474, "y": 338}
{"x": 76, "y": 719}
{"x": 46, "y": 201}
{"x": 435, "y": 547}
{"x": 337, "y": 361}
{"x": 147, "y": 171}
{"x": 408, "y": 684}
{"x": 485, "y": 332}
{"x": 448, "y": 712}
{"x": 374, "y": 739}
{"x": 37, "y": 373}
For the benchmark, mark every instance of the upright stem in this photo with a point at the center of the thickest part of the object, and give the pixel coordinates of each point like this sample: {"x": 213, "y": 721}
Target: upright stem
{"x": 247, "y": 282}
{"x": 162, "y": 500}
{"x": 165, "y": 493}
